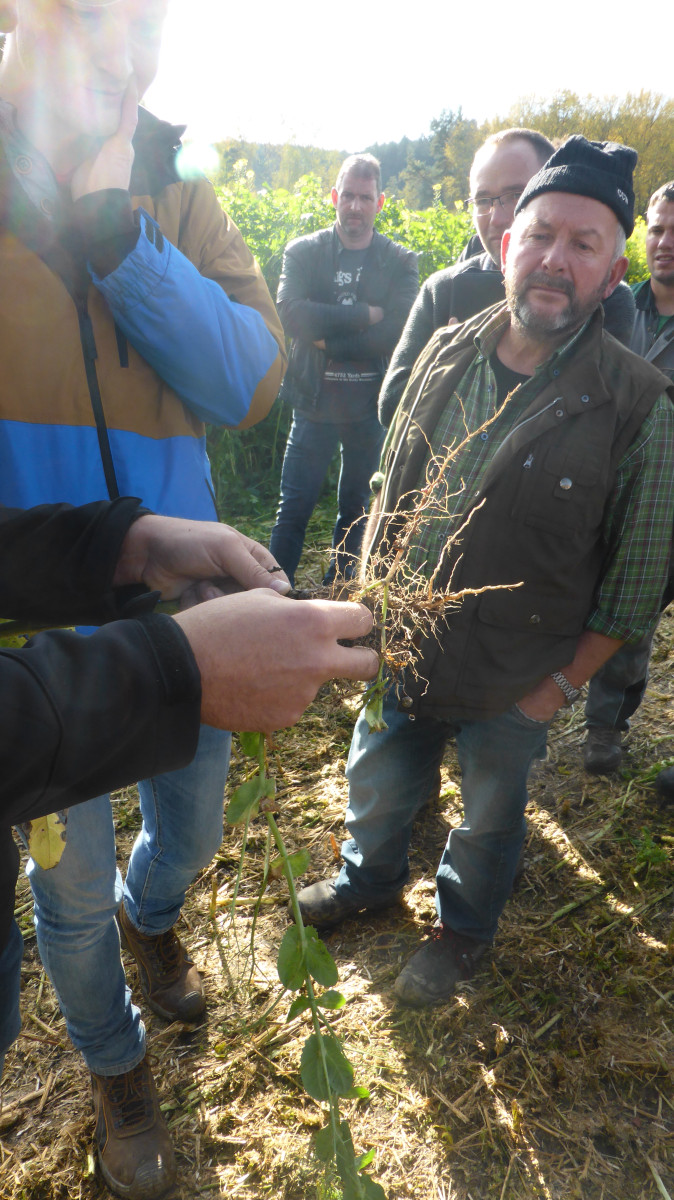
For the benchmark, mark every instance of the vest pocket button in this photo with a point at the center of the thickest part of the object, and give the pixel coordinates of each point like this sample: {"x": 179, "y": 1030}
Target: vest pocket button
{"x": 565, "y": 483}
{"x": 534, "y": 619}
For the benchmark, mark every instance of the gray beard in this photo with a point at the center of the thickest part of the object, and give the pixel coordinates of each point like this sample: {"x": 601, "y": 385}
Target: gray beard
{"x": 552, "y": 325}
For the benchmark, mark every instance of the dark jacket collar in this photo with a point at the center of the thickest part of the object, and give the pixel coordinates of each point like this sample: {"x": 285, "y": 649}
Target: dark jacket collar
{"x": 644, "y": 298}
{"x": 156, "y": 144}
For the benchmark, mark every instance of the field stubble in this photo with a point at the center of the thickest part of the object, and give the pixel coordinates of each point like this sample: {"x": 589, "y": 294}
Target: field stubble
{"x": 550, "y": 1075}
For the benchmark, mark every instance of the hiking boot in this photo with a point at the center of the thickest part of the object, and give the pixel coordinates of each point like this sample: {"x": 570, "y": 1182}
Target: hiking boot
{"x": 322, "y": 906}
{"x": 432, "y": 974}
{"x": 169, "y": 980}
{"x": 664, "y": 785}
{"x": 602, "y": 753}
{"x": 132, "y": 1141}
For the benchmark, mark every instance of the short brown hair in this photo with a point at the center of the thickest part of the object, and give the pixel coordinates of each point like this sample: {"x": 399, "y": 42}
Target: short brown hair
{"x": 666, "y": 192}
{"x": 541, "y": 145}
{"x": 364, "y": 165}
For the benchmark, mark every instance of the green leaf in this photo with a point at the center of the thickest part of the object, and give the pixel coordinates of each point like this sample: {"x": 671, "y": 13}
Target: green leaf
{"x": 345, "y": 1159}
{"x": 340, "y": 1071}
{"x": 299, "y": 863}
{"x": 245, "y": 801}
{"x": 320, "y": 963}
{"x": 357, "y": 1093}
{"x": 290, "y": 963}
{"x": 371, "y": 1190}
{"x": 299, "y": 1005}
{"x": 250, "y": 743}
{"x": 374, "y": 713}
{"x": 46, "y": 838}
{"x": 331, "y": 1000}
{"x": 365, "y": 1159}
{"x": 324, "y": 1146}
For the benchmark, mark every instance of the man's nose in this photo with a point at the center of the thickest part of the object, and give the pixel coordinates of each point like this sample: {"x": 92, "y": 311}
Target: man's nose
{"x": 499, "y": 217}
{"x": 555, "y": 257}
{"x": 113, "y": 52}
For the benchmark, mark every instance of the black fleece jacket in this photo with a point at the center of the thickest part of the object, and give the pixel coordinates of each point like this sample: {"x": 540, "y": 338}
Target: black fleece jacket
{"x": 83, "y": 715}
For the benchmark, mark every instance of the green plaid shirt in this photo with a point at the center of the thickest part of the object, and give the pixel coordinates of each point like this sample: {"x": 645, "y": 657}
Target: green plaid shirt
{"x": 640, "y": 510}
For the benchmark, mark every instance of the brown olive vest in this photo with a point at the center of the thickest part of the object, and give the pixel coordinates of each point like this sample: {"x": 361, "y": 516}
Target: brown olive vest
{"x": 541, "y": 522}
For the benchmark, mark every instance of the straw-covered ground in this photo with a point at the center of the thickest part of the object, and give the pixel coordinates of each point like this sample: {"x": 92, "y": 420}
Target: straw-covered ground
{"x": 550, "y": 1075}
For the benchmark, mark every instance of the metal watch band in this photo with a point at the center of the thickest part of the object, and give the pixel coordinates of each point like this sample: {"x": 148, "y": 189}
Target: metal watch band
{"x": 572, "y": 693}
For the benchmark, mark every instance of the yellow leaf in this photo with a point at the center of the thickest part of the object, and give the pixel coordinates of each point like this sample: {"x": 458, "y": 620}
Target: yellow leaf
{"x": 46, "y": 840}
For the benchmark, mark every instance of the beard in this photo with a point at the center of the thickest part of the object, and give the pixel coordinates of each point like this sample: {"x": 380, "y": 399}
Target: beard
{"x": 666, "y": 278}
{"x": 551, "y": 325}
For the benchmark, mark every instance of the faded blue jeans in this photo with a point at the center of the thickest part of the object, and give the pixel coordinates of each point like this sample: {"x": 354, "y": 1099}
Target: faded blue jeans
{"x": 76, "y": 901}
{"x": 617, "y": 689}
{"x": 309, "y": 450}
{"x": 390, "y": 775}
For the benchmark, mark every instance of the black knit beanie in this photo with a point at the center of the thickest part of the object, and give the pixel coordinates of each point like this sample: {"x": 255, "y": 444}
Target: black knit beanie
{"x": 601, "y": 170}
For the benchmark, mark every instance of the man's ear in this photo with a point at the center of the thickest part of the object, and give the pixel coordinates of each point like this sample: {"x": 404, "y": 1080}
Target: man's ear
{"x": 504, "y": 248}
{"x": 335, "y": 196}
{"x": 380, "y": 202}
{"x": 616, "y": 276}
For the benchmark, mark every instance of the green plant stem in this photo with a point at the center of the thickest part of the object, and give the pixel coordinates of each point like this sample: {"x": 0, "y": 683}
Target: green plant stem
{"x": 258, "y": 904}
{"x": 333, "y": 1102}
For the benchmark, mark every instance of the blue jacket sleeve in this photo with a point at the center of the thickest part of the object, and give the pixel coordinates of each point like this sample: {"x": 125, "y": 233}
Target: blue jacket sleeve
{"x": 214, "y": 352}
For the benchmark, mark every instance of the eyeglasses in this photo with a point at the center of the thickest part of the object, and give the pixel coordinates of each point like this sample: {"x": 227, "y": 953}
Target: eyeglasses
{"x": 484, "y": 204}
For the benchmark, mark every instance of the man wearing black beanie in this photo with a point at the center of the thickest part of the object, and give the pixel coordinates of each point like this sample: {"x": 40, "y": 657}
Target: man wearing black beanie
{"x": 566, "y": 492}
{"x": 500, "y": 171}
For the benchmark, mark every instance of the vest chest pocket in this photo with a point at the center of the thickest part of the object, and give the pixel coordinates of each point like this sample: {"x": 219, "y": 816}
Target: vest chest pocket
{"x": 566, "y": 490}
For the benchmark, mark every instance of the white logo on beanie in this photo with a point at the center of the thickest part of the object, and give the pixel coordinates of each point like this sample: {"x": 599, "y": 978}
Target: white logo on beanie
{"x": 622, "y": 196}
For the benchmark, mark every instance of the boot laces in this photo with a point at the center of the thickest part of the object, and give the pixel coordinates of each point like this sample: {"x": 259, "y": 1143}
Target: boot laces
{"x": 165, "y": 951}
{"x": 129, "y": 1096}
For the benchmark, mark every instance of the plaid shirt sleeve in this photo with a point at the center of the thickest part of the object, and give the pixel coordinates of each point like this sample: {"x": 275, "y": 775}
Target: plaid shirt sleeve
{"x": 638, "y": 532}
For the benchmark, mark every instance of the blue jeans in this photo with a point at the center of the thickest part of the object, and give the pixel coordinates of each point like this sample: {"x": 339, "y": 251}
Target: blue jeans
{"x": 10, "y": 981}
{"x": 617, "y": 689}
{"x": 311, "y": 445}
{"x": 390, "y": 775}
{"x": 76, "y": 901}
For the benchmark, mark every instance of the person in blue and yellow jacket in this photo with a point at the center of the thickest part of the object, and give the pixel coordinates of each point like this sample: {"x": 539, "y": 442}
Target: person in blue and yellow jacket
{"x": 131, "y": 313}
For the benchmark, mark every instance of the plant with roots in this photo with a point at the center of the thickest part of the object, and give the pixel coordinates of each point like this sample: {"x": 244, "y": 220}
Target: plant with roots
{"x": 405, "y": 602}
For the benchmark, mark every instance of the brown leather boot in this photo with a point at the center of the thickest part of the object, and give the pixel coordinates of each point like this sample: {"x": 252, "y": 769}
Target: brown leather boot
{"x": 169, "y": 980}
{"x": 132, "y": 1141}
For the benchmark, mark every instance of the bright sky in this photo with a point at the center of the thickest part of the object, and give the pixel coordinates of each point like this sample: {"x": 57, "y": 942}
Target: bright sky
{"x": 345, "y": 75}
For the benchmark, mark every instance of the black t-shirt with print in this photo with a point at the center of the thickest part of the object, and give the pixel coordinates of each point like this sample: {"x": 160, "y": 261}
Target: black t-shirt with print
{"x": 350, "y": 387}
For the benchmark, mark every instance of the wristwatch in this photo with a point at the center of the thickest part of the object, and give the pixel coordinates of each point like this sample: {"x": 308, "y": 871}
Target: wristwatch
{"x": 572, "y": 693}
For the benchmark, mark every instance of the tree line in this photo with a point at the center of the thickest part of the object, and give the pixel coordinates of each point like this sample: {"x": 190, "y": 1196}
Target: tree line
{"x": 434, "y": 169}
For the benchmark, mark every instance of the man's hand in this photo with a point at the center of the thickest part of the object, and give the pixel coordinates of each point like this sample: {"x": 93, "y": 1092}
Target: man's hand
{"x": 111, "y": 168}
{"x": 592, "y": 651}
{"x": 180, "y": 559}
{"x": 262, "y": 658}
{"x": 543, "y": 702}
